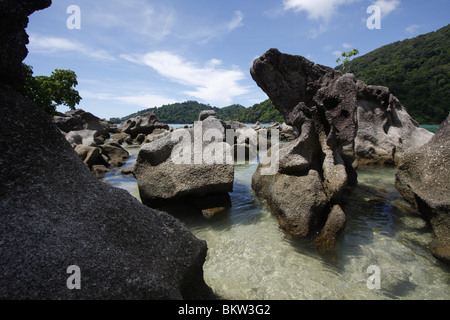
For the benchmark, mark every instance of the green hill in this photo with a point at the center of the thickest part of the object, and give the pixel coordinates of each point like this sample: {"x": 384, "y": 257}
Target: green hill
{"x": 416, "y": 70}
{"x": 187, "y": 112}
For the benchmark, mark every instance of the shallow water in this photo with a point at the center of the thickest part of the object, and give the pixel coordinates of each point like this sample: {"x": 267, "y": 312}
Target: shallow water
{"x": 249, "y": 257}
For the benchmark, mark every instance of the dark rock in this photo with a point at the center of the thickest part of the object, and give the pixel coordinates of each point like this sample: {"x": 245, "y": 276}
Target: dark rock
{"x": 56, "y": 214}
{"x": 423, "y": 178}
{"x": 117, "y": 156}
{"x": 13, "y": 38}
{"x": 79, "y": 119}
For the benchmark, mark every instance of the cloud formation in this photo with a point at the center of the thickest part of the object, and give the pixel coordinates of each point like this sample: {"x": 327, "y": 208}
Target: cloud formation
{"x": 50, "y": 45}
{"x": 387, "y": 6}
{"x": 316, "y": 9}
{"x": 210, "y": 82}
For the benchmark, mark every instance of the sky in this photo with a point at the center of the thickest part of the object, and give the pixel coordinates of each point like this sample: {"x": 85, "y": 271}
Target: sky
{"x": 130, "y": 55}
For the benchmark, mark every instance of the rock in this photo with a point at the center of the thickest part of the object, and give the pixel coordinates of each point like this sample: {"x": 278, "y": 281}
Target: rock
{"x": 205, "y": 114}
{"x": 396, "y": 281}
{"x": 333, "y": 227}
{"x": 56, "y": 214}
{"x": 144, "y": 124}
{"x": 120, "y": 137}
{"x": 115, "y": 154}
{"x": 320, "y": 105}
{"x": 99, "y": 170}
{"x": 77, "y": 120}
{"x": 296, "y": 86}
{"x": 341, "y": 123}
{"x": 288, "y": 133}
{"x": 181, "y": 165}
{"x": 385, "y": 129}
{"x": 234, "y": 125}
{"x": 82, "y": 137}
{"x": 423, "y": 178}
{"x": 140, "y": 138}
{"x": 299, "y": 202}
{"x": 13, "y": 21}
{"x": 90, "y": 155}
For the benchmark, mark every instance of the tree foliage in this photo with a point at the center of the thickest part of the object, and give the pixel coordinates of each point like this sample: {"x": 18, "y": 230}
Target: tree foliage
{"x": 416, "y": 70}
{"x": 48, "y": 92}
{"x": 188, "y": 112}
{"x": 346, "y": 56}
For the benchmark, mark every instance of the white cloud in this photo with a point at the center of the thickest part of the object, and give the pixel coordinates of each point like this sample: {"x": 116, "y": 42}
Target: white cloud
{"x": 236, "y": 22}
{"x": 412, "y": 29}
{"x": 346, "y": 45}
{"x": 49, "y": 45}
{"x": 387, "y": 6}
{"x": 316, "y": 9}
{"x": 209, "y": 82}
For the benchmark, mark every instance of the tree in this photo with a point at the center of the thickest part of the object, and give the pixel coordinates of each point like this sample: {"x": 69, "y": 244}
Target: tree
{"x": 50, "y": 92}
{"x": 347, "y": 56}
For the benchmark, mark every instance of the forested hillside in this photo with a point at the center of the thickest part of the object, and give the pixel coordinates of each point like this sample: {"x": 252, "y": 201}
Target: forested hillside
{"x": 416, "y": 70}
{"x": 187, "y": 112}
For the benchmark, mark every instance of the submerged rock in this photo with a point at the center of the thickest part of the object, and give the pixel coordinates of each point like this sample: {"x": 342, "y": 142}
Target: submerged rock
{"x": 423, "y": 178}
{"x": 56, "y": 214}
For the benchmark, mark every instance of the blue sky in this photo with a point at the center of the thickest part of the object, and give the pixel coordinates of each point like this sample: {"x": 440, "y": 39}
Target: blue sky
{"x": 134, "y": 54}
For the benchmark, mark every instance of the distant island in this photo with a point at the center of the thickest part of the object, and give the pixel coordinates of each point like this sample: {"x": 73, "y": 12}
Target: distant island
{"x": 187, "y": 112}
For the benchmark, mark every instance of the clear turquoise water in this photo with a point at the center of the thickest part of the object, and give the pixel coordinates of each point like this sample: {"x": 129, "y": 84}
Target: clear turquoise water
{"x": 249, "y": 257}
{"x": 433, "y": 128}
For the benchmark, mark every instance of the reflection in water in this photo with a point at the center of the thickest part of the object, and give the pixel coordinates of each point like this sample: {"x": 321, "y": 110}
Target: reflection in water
{"x": 249, "y": 257}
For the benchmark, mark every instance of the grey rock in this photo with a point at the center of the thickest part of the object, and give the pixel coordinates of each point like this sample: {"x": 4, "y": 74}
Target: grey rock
{"x": 79, "y": 119}
{"x": 144, "y": 124}
{"x": 423, "y": 178}
{"x": 205, "y": 114}
{"x": 82, "y": 137}
{"x": 162, "y": 181}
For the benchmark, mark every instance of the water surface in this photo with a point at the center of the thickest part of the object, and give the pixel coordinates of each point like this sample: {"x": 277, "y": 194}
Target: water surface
{"x": 249, "y": 257}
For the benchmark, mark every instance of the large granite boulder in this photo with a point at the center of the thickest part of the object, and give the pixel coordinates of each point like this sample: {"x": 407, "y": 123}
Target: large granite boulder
{"x": 296, "y": 86}
{"x": 185, "y": 164}
{"x": 55, "y": 214}
{"x": 313, "y": 172}
{"x": 385, "y": 129}
{"x": 423, "y": 178}
{"x": 144, "y": 124}
{"x": 342, "y": 123}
